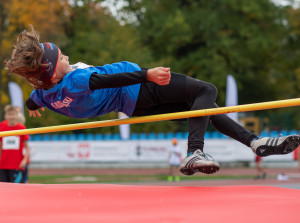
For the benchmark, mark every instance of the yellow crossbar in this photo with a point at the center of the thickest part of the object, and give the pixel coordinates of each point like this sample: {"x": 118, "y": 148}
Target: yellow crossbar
{"x": 154, "y": 118}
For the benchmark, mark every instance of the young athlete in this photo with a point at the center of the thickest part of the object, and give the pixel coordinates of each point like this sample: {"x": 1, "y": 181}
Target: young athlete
{"x": 12, "y": 159}
{"x": 89, "y": 91}
{"x": 174, "y": 160}
{"x": 261, "y": 174}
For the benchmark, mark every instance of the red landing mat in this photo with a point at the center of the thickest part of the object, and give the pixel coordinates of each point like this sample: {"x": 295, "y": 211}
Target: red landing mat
{"x": 102, "y": 203}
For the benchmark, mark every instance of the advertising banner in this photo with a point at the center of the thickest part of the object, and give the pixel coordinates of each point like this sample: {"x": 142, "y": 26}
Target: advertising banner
{"x": 222, "y": 150}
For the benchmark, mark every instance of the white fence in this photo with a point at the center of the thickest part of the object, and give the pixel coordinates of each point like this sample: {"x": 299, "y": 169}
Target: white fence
{"x": 223, "y": 150}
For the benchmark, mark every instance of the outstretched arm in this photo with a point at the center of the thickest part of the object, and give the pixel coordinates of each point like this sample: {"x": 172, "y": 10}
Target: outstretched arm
{"x": 33, "y": 108}
{"x": 26, "y": 156}
{"x": 159, "y": 75}
{"x": 98, "y": 81}
{"x": 35, "y": 113}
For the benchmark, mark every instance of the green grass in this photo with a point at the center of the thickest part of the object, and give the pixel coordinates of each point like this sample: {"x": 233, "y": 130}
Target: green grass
{"x": 73, "y": 179}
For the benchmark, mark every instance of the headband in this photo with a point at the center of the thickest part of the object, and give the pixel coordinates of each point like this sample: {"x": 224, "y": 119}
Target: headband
{"x": 49, "y": 58}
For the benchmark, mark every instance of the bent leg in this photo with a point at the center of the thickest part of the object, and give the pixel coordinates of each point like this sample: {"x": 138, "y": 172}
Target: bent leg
{"x": 183, "y": 93}
{"x": 227, "y": 126}
{"x": 200, "y": 95}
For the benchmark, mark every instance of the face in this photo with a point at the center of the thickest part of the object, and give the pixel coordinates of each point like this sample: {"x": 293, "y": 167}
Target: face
{"x": 11, "y": 117}
{"x": 62, "y": 67}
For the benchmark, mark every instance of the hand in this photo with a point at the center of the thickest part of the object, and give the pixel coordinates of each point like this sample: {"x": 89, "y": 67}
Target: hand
{"x": 23, "y": 164}
{"x": 159, "y": 75}
{"x": 35, "y": 113}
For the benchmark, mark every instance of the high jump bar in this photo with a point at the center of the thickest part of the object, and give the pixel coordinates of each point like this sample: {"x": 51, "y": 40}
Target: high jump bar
{"x": 160, "y": 117}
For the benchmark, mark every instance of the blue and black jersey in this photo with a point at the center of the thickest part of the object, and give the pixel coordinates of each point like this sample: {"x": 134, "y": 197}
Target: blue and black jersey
{"x": 93, "y": 91}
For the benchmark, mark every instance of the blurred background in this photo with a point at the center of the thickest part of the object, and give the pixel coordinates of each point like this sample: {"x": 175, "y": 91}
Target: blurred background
{"x": 257, "y": 42}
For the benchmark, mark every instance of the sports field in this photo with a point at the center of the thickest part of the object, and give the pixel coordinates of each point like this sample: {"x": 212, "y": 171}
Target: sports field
{"x": 158, "y": 176}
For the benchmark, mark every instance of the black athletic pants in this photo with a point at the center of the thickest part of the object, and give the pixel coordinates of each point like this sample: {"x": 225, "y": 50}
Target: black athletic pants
{"x": 12, "y": 176}
{"x": 185, "y": 93}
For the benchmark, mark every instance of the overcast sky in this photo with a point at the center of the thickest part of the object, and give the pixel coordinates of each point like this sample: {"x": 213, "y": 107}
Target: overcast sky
{"x": 295, "y": 3}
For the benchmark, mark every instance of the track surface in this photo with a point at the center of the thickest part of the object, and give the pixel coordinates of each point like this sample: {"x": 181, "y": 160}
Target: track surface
{"x": 293, "y": 173}
{"x": 152, "y": 171}
{"x": 29, "y": 203}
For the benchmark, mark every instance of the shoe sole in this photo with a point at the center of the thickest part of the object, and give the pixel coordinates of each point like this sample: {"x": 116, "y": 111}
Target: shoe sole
{"x": 203, "y": 169}
{"x": 287, "y": 146}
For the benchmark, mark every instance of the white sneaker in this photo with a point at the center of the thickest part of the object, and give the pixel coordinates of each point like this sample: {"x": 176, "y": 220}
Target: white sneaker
{"x": 198, "y": 162}
{"x": 275, "y": 145}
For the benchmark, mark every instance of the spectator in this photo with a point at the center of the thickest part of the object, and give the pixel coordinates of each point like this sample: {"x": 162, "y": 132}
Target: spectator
{"x": 261, "y": 174}
{"x": 298, "y": 157}
{"x": 174, "y": 160}
{"x": 12, "y": 159}
{"x": 22, "y": 120}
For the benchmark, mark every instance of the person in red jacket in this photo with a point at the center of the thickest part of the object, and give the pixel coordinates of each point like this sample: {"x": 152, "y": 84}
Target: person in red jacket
{"x": 261, "y": 174}
{"x": 12, "y": 158}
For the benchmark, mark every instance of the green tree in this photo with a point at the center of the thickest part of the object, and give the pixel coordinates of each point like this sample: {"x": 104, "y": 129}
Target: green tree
{"x": 210, "y": 39}
{"x": 47, "y": 16}
{"x": 95, "y": 37}
{"x": 3, "y": 19}
{"x": 287, "y": 71}
{"x": 255, "y": 41}
{"x": 86, "y": 32}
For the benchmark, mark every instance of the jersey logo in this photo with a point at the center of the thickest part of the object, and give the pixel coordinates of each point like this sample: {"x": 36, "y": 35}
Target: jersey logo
{"x": 61, "y": 104}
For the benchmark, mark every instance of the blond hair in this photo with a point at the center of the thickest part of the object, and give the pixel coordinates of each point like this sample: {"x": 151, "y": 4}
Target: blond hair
{"x": 10, "y": 108}
{"x": 21, "y": 117}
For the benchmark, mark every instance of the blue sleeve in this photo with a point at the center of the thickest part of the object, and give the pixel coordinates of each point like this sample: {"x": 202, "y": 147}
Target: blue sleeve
{"x": 36, "y": 97}
{"x": 76, "y": 83}
{"x": 121, "y": 67}
{"x": 130, "y": 67}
